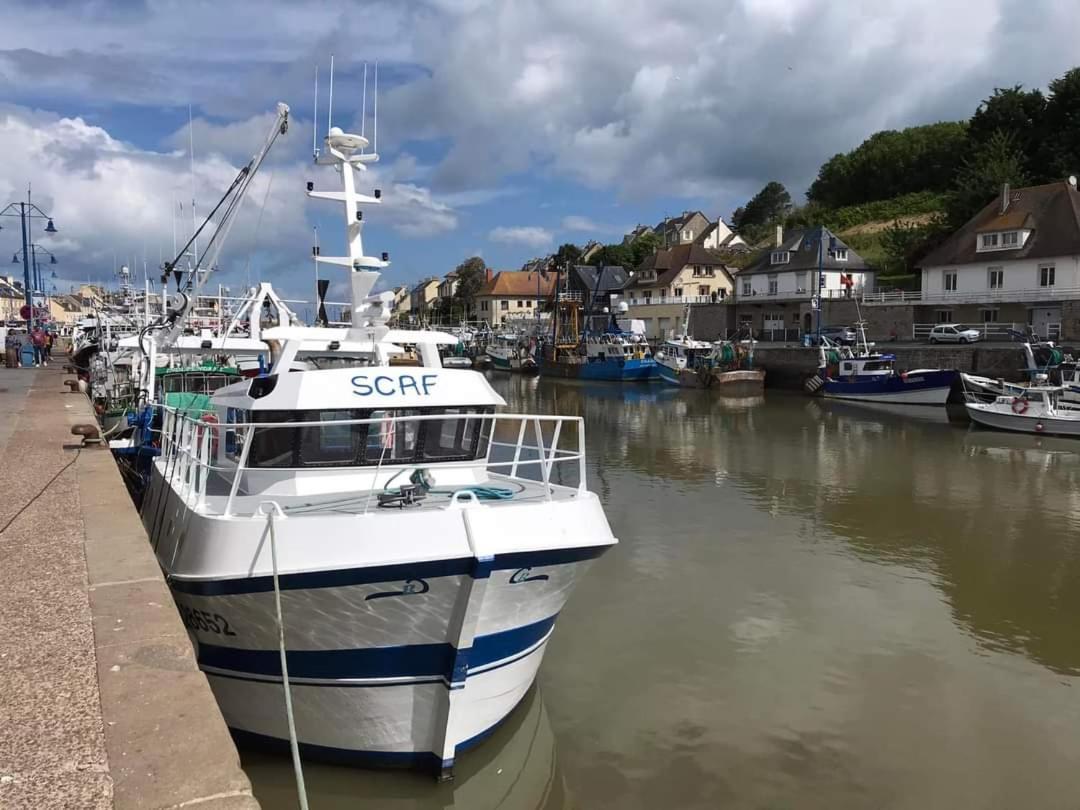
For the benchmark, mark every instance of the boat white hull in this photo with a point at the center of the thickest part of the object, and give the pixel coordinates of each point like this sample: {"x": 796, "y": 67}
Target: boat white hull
{"x": 401, "y": 649}
{"x": 921, "y": 396}
{"x": 986, "y": 416}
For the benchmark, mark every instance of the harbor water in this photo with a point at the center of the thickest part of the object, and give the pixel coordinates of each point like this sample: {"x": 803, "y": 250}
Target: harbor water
{"x": 813, "y": 604}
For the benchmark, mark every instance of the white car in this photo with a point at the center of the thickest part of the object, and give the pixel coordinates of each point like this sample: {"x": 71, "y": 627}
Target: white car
{"x": 953, "y": 333}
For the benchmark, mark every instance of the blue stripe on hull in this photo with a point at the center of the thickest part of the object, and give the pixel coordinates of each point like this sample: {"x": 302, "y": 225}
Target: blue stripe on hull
{"x": 405, "y": 661}
{"x": 380, "y": 573}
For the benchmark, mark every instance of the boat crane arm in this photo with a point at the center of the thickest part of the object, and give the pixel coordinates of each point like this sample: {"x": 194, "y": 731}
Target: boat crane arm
{"x": 231, "y": 202}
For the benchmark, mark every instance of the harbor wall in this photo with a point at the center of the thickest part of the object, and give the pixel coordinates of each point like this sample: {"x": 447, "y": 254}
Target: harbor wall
{"x": 104, "y": 704}
{"x": 789, "y": 366}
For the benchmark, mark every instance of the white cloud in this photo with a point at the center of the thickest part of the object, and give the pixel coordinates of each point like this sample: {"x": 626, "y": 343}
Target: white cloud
{"x": 580, "y": 223}
{"x": 531, "y": 236}
{"x": 112, "y": 199}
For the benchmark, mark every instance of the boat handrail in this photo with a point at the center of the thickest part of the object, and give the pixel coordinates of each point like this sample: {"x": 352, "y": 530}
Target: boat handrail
{"x": 189, "y": 444}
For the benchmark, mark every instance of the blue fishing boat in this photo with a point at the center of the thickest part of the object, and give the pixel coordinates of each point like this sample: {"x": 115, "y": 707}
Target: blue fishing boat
{"x": 871, "y": 376}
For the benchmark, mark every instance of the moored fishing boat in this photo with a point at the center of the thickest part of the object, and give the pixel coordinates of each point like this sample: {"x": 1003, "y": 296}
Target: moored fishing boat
{"x": 1038, "y": 409}
{"x": 724, "y": 366}
{"x": 510, "y": 351}
{"x": 421, "y": 544}
{"x": 871, "y": 376}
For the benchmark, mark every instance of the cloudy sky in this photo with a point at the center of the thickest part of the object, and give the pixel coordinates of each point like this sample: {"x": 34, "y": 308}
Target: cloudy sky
{"x": 505, "y": 126}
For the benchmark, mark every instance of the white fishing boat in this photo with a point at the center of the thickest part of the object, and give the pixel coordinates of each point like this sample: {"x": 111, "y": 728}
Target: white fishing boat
{"x": 373, "y": 553}
{"x": 510, "y": 351}
{"x": 1037, "y": 409}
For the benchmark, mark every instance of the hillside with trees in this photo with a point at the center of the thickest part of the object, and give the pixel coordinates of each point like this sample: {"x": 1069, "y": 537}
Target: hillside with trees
{"x": 900, "y": 192}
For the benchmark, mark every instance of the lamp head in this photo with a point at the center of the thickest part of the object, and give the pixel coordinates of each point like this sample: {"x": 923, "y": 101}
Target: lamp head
{"x": 50, "y": 228}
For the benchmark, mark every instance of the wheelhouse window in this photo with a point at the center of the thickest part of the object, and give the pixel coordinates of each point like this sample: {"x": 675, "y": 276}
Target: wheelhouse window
{"x": 391, "y": 439}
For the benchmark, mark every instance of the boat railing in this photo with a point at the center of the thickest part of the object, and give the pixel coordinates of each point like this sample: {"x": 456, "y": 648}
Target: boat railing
{"x": 199, "y": 453}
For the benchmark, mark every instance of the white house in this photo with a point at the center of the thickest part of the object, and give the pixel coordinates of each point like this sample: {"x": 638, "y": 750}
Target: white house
{"x": 777, "y": 292}
{"x": 718, "y": 236}
{"x": 1016, "y": 263}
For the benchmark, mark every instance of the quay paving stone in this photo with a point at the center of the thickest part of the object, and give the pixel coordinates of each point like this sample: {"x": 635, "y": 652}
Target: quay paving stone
{"x": 71, "y": 553}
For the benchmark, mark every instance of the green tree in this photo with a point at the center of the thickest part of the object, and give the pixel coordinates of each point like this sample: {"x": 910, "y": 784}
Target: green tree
{"x": 982, "y": 175}
{"x": 905, "y": 243}
{"x": 471, "y": 275}
{"x": 1060, "y": 153}
{"x": 1016, "y": 112}
{"x": 769, "y": 205}
{"x": 642, "y": 247}
{"x": 567, "y": 255}
{"x": 617, "y": 253}
{"x": 891, "y": 163}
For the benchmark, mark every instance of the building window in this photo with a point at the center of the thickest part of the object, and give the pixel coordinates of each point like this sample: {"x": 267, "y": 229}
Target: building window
{"x": 800, "y": 282}
{"x": 989, "y": 241}
{"x": 721, "y": 294}
{"x": 528, "y": 303}
{"x": 746, "y": 287}
{"x": 1010, "y": 239}
{"x": 995, "y": 278}
{"x": 944, "y": 316}
{"x": 648, "y": 295}
{"x": 839, "y": 254}
{"x": 504, "y": 305}
{"x": 1046, "y": 275}
{"x": 688, "y": 235}
{"x": 949, "y": 281}
{"x": 774, "y": 285}
{"x": 703, "y": 289}
{"x": 990, "y": 316}
{"x": 780, "y": 257}
{"x": 678, "y": 292}
{"x": 484, "y": 306}
{"x": 519, "y": 305}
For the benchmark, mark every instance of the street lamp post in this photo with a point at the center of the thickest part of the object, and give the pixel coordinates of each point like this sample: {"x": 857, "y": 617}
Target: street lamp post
{"x": 26, "y": 212}
{"x": 37, "y": 278}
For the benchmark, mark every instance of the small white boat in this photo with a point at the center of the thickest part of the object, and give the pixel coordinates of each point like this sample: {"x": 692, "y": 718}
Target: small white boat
{"x": 1037, "y": 409}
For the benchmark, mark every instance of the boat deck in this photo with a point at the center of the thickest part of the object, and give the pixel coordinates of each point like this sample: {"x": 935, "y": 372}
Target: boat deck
{"x": 358, "y": 502}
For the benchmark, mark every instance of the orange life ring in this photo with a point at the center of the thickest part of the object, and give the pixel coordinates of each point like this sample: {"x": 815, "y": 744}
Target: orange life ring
{"x": 1019, "y": 406}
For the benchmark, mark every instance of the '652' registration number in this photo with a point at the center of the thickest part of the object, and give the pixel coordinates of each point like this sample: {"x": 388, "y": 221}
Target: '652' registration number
{"x": 195, "y": 619}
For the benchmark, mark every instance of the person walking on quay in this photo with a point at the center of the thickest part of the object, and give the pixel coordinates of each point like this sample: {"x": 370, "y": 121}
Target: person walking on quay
{"x": 12, "y": 348}
{"x": 49, "y": 338}
{"x": 37, "y": 340}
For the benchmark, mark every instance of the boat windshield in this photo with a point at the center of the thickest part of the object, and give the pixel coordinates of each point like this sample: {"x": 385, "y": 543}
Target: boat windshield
{"x": 456, "y": 438}
{"x": 196, "y": 382}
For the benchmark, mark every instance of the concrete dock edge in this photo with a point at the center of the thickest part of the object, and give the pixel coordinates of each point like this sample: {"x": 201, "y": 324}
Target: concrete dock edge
{"x": 165, "y": 742}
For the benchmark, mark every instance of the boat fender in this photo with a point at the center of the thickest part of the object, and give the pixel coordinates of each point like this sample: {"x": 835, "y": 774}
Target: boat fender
{"x": 1038, "y": 427}
{"x": 1019, "y": 406}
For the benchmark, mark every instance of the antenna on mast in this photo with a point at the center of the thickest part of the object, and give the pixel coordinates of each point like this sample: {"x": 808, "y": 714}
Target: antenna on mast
{"x": 363, "y": 104}
{"x": 375, "y": 119}
{"x": 191, "y": 153}
{"x": 330, "y": 112}
{"x": 315, "y": 119}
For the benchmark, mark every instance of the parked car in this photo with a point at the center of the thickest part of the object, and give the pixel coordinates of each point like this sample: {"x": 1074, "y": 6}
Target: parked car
{"x": 844, "y": 335}
{"x": 953, "y": 333}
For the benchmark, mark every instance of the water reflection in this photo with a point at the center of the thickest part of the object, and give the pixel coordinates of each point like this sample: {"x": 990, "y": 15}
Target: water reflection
{"x": 515, "y": 769}
{"x": 991, "y": 516}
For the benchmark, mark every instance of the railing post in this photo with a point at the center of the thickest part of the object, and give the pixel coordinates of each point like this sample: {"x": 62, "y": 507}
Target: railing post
{"x": 542, "y": 456}
{"x": 517, "y": 450}
{"x": 241, "y": 465}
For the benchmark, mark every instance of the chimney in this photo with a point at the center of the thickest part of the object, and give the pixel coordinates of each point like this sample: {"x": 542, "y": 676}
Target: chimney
{"x": 1005, "y": 198}
{"x": 779, "y": 235}
{"x": 488, "y": 274}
